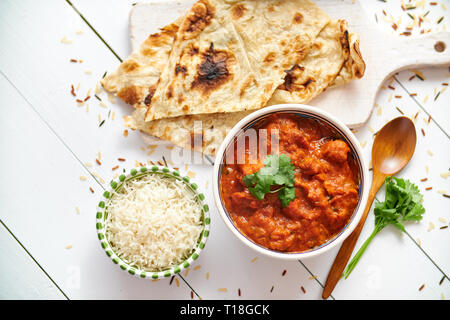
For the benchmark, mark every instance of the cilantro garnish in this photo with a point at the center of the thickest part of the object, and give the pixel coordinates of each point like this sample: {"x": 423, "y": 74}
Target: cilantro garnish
{"x": 278, "y": 171}
{"x": 403, "y": 202}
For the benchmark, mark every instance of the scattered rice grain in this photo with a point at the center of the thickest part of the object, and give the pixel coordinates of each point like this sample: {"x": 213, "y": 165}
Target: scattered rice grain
{"x": 191, "y": 174}
{"x": 65, "y": 40}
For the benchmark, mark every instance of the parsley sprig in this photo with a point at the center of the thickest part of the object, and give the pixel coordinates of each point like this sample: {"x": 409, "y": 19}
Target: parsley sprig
{"x": 403, "y": 202}
{"x": 278, "y": 171}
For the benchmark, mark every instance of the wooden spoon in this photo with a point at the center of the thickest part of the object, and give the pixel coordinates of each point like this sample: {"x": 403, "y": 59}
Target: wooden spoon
{"x": 392, "y": 149}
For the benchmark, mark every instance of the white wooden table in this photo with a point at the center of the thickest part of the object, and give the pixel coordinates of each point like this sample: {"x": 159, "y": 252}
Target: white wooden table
{"x": 48, "y": 243}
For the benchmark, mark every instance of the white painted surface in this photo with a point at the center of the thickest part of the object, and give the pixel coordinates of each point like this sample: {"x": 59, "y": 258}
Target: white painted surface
{"x": 43, "y": 129}
{"x": 20, "y": 276}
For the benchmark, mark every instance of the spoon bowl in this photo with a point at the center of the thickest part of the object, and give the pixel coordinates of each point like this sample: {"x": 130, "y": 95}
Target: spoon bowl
{"x": 394, "y": 146}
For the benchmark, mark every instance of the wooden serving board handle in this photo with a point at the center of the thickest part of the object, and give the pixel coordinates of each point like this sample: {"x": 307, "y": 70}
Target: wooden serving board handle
{"x": 428, "y": 50}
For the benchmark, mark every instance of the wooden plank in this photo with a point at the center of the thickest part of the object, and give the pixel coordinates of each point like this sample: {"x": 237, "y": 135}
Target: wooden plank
{"x": 21, "y": 278}
{"x": 432, "y": 93}
{"x": 40, "y": 197}
{"x": 115, "y": 34}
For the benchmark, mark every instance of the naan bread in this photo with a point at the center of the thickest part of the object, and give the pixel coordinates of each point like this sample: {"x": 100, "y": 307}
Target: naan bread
{"x": 136, "y": 78}
{"x": 202, "y": 132}
{"x": 230, "y": 56}
{"x": 332, "y": 41}
{"x": 354, "y": 66}
{"x": 333, "y": 59}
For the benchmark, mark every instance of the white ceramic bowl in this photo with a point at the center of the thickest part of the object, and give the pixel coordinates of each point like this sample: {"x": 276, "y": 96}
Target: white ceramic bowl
{"x": 309, "y": 112}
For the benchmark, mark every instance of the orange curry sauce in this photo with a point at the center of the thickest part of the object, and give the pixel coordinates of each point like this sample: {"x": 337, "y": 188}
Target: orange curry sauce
{"x": 326, "y": 183}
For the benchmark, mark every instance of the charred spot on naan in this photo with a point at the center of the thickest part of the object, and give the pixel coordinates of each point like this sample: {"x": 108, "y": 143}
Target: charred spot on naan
{"x": 213, "y": 70}
{"x": 169, "y": 92}
{"x": 290, "y": 77}
{"x": 317, "y": 45}
{"x": 237, "y": 11}
{"x": 293, "y": 80}
{"x": 129, "y": 66}
{"x": 197, "y": 19}
{"x": 180, "y": 99}
{"x": 149, "y": 96}
{"x": 193, "y": 51}
{"x": 129, "y": 94}
{"x": 343, "y": 39}
{"x": 179, "y": 68}
{"x": 298, "y": 18}
{"x": 270, "y": 57}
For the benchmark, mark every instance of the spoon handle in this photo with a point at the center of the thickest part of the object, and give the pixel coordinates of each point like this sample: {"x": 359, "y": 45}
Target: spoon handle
{"x": 349, "y": 244}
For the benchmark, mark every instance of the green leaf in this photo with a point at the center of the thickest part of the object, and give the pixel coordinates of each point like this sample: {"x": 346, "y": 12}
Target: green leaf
{"x": 415, "y": 214}
{"x": 286, "y": 195}
{"x": 278, "y": 171}
{"x": 259, "y": 191}
{"x": 249, "y": 180}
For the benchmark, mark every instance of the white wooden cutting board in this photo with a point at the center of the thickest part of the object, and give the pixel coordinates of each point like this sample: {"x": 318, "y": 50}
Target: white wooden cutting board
{"x": 383, "y": 53}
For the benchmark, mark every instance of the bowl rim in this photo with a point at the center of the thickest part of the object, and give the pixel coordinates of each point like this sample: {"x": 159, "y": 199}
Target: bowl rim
{"x": 320, "y": 115}
{"x": 101, "y": 216}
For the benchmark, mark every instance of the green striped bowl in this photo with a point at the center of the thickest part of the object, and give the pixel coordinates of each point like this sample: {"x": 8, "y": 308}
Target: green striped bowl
{"x": 102, "y": 215}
